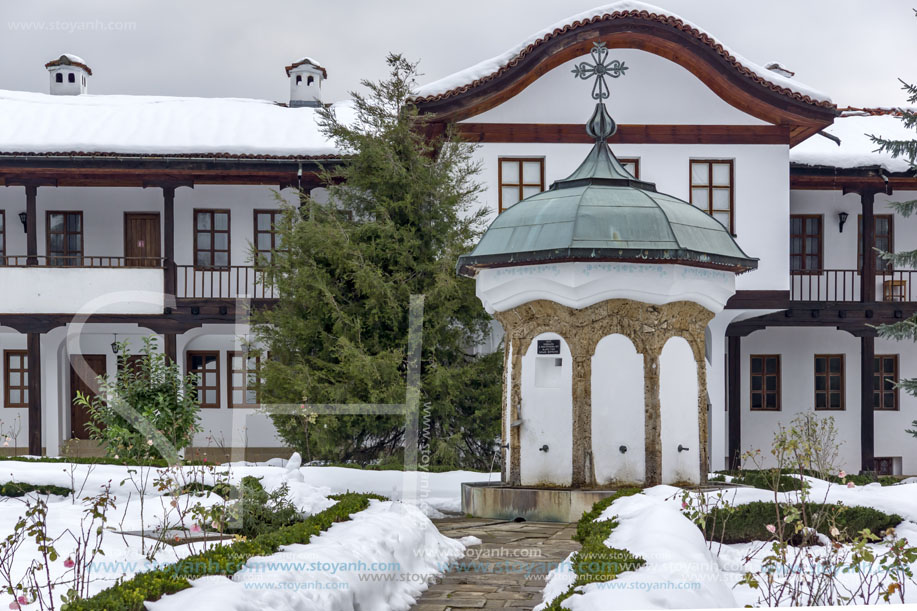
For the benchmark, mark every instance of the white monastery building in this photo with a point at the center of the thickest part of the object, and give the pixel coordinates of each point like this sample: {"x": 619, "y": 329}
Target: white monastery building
{"x": 746, "y": 210}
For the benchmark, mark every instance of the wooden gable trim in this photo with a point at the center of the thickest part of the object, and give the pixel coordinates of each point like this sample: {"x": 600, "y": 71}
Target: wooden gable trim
{"x": 575, "y": 133}
{"x": 720, "y": 74}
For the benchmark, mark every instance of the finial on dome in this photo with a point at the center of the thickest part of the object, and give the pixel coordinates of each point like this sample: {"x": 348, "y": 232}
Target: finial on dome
{"x": 601, "y": 126}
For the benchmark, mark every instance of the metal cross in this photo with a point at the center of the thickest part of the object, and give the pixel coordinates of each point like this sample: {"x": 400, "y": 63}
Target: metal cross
{"x": 600, "y": 69}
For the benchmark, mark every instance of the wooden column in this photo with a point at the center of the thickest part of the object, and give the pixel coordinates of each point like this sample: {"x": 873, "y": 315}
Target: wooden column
{"x": 734, "y": 401}
{"x": 168, "y": 219}
{"x": 170, "y": 346}
{"x": 867, "y": 419}
{"x": 31, "y": 211}
{"x": 34, "y": 352}
{"x": 868, "y": 278}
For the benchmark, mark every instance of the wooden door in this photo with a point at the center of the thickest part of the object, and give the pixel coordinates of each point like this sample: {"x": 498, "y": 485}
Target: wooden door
{"x": 84, "y": 371}
{"x": 141, "y": 239}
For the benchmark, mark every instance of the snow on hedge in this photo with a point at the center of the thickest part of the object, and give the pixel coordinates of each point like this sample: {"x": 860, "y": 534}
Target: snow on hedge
{"x": 856, "y": 149}
{"x": 489, "y": 66}
{"x": 380, "y": 560}
{"x": 159, "y": 125}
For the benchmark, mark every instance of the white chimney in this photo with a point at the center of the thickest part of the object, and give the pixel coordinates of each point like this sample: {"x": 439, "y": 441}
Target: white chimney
{"x": 69, "y": 75}
{"x": 306, "y": 76}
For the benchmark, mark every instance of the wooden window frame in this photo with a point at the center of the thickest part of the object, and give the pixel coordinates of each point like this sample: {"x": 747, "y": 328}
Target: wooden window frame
{"x": 877, "y": 391}
{"x": 71, "y": 257}
{"x": 804, "y": 254}
{"x": 522, "y": 184}
{"x": 633, "y": 160}
{"x": 205, "y": 353}
{"x": 22, "y": 388}
{"x": 212, "y": 231}
{"x": 230, "y": 387}
{"x": 881, "y": 264}
{"x": 764, "y": 392}
{"x": 827, "y": 375}
{"x": 2, "y": 237}
{"x": 710, "y": 188}
{"x": 275, "y": 213}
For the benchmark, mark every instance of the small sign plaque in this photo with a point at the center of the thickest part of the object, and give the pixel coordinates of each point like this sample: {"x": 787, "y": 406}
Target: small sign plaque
{"x": 549, "y": 346}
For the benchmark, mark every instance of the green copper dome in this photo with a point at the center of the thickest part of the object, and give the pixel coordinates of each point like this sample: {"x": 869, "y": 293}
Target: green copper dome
{"x": 603, "y": 213}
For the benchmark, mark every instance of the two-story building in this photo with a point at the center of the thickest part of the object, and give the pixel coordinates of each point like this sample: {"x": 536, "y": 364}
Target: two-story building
{"x": 135, "y": 215}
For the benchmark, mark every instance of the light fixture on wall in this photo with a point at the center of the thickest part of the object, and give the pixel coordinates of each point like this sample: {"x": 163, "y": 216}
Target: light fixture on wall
{"x": 114, "y": 345}
{"x": 24, "y": 219}
{"x": 841, "y": 219}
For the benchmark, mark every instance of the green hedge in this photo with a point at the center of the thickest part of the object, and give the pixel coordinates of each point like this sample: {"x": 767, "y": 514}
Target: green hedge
{"x": 748, "y": 522}
{"x": 16, "y": 489}
{"x": 222, "y": 560}
{"x": 763, "y": 478}
{"x": 594, "y": 554}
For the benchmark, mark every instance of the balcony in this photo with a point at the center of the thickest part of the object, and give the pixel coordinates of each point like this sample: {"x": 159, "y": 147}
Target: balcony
{"x": 233, "y": 282}
{"x": 844, "y": 285}
{"x": 117, "y": 285}
{"x": 98, "y": 285}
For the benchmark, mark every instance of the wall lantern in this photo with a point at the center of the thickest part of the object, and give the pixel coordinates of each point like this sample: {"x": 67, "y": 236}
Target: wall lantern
{"x": 24, "y": 219}
{"x": 114, "y": 345}
{"x": 841, "y": 219}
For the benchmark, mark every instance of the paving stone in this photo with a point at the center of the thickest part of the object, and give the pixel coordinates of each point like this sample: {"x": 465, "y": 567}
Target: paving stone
{"x": 507, "y": 571}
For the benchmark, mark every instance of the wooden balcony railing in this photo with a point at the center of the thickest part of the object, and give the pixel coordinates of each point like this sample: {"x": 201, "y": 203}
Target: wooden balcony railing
{"x": 236, "y": 281}
{"x": 104, "y": 261}
{"x": 844, "y": 285}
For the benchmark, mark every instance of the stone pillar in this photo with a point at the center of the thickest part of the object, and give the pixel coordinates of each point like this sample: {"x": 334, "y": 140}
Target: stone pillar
{"x": 515, "y": 415}
{"x": 653, "y": 450}
{"x": 583, "y": 469}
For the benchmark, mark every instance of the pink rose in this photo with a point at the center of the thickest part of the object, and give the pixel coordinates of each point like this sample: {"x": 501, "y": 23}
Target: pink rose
{"x": 684, "y": 505}
{"x": 842, "y": 474}
{"x": 14, "y": 605}
{"x": 195, "y": 528}
{"x": 23, "y": 600}
{"x": 771, "y": 528}
{"x": 69, "y": 563}
{"x": 851, "y": 485}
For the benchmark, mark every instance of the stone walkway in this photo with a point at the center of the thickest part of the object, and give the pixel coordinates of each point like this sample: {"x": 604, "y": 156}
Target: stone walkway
{"x": 496, "y": 575}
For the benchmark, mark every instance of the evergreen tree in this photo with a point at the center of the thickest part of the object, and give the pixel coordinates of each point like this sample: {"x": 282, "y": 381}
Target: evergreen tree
{"x": 907, "y": 149}
{"x": 399, "y": 215}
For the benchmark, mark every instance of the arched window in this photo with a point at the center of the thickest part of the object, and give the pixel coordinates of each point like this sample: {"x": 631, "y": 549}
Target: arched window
{"x": 309, "y": 80}
{"x": 59, "y": 77}
{"x": 71, "y": 78}
{"x": 298, "y": 79}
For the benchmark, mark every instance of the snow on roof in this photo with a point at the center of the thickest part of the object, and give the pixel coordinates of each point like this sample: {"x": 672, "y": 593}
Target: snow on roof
{"x": 856, "y": 149}
{"x": 37, "y": 123}
{"x": 307, "y": 60}
{"x": 490, "y": 68}
{"x": 70, "y": 58}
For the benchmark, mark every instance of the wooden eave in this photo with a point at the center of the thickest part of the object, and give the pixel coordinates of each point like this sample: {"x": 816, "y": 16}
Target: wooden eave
{"x": 140, "y": 171}
{"x": 684, "y": 46}
{"x": 821, "y": 178}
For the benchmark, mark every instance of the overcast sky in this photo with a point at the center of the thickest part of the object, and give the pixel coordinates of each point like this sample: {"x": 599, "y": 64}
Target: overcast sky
{"x": 854, "y": 50}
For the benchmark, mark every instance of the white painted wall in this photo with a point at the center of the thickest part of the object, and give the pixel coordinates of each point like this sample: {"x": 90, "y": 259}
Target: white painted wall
{"x": 547, "y": 416}
{"x": 653, "y": 90}
{"x": 579, "y": 285}
{"x": 761, "y": 190}
{"x": 797, "y": 348}
{"x": 46, "y": 290}
{"x": 678, "y": 399}
{"x": 618, "y": 412}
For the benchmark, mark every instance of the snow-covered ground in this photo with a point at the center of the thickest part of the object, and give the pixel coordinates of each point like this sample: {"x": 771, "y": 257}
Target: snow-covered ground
{"x": 395, "y": 533}
{"x": 380, "y": 560}
{"x": 681, "y": 570}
